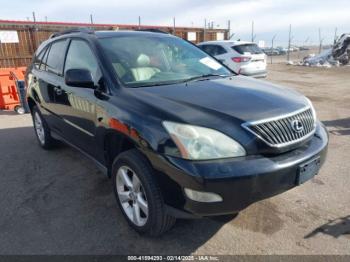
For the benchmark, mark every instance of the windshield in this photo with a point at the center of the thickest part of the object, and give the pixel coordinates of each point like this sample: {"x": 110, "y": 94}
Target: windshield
{"x": 146, "y": 60}
{"x": 247, "y": 48}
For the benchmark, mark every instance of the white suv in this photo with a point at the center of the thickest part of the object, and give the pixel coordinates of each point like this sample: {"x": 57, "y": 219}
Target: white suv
{"x": 244, "y": 58}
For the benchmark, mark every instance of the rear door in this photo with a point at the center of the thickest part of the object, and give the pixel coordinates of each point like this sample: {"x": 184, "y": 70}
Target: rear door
{"x": 220, "y": 53}
{"x": 48, "y": 75}
{"x": 215, "y": 50}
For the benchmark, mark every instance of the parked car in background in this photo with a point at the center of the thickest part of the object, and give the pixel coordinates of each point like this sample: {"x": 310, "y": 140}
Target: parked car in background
{"x": 241, "y": 57}
{"x": 304, "y": 48}
{"x": 271, "y": 51}
{"x": 282, "y": 50}
{"x": 294, "y": 48}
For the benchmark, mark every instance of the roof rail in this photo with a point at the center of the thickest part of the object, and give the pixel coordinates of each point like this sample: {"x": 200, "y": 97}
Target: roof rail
{"x": 73, "y": 30}
{"x": 152, "y": 30}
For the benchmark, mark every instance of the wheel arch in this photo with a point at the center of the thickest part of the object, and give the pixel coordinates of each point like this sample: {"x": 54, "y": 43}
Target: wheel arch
{"x": 115, "y": 143}
{"x": 31, "y": 103}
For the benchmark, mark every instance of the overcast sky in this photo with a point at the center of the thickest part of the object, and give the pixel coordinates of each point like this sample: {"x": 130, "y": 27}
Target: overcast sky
{"x": 270, "y": 16}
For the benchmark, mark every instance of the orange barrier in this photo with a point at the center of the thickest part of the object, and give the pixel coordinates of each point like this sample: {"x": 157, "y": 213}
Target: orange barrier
{"x": 10, "y": 98}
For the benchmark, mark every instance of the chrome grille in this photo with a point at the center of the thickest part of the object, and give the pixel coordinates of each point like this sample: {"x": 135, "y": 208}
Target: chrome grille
{"x": 283, "y": 131}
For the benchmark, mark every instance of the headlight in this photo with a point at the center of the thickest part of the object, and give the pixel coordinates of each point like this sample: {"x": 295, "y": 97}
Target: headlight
{"x": 202, "y": 143}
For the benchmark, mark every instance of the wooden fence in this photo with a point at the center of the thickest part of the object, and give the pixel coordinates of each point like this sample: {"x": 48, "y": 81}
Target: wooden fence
{"x": 30, "y": 35}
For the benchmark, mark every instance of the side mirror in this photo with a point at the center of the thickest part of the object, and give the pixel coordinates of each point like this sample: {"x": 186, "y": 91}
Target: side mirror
{"x": 79, "y": 78}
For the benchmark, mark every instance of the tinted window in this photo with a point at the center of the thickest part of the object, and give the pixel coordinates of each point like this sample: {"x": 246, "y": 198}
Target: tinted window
{"x": 205, "y": 48}
{"x": 54, "y": 61}
{"x": 43, "y": 61}
{"x": 214, "y": 49}
{"x": 80, "y": 56}
{"x": 220, "y": 50}
{"x": 249, "y": 48}
{"x": 39, "y": 58}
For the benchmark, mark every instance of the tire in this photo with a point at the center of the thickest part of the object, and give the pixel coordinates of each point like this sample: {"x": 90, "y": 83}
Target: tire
{"x": 42, "y": 130}
{"x": 130, "y": 164}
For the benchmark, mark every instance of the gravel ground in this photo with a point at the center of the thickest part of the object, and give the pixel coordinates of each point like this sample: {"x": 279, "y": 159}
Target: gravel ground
{"x": 57, "y": 202}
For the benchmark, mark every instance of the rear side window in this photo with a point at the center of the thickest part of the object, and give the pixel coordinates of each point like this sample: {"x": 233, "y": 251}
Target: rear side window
{"x": 205, "y": 48}
{"x": 213, "y": 49}
{"x": 39, "y": 58}
{"x": 55, "y": 57}
{"x": 220, "y": 50}
{"x": 247, "y": 48}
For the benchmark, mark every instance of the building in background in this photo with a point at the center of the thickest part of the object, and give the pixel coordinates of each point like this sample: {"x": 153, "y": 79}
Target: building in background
{"x": 20, "y": 39}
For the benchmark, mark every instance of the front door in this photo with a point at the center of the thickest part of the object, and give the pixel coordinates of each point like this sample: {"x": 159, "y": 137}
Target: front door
{"x": 78, "y": 105}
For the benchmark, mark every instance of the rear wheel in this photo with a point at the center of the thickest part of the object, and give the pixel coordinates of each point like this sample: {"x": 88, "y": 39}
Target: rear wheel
{"x": 138, "y": 194}
{"x": 42, "y": 130}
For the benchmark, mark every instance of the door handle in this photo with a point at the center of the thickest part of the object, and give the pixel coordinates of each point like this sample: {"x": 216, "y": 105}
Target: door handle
{"x": 58, "y": 90}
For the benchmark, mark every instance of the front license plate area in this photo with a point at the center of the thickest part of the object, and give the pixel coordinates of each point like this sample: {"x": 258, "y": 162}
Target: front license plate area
{"x": 308, "y": 170}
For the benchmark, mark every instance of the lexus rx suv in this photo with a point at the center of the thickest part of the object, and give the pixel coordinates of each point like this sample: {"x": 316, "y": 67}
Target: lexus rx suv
{"x": 244, "y": 58}
{"x": 179, "y": 134}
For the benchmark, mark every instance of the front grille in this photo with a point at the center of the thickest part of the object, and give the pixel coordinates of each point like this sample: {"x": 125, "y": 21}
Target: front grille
{"x": 285, "y": 130}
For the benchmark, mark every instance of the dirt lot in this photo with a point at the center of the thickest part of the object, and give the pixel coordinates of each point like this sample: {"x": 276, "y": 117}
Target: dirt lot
{"x": 57, "y": 202}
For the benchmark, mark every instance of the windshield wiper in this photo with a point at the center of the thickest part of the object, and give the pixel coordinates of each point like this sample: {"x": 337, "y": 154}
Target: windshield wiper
{"x": 177, "y": 81}
{"x": 154, "y": 84}
{"x": 203, "y": 77}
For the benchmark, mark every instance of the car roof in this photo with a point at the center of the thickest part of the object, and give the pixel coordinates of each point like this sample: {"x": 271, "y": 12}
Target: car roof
{"x": 226, "y": 42}
{"x": 106, "y": 34}
{"x": 84, "y": 33}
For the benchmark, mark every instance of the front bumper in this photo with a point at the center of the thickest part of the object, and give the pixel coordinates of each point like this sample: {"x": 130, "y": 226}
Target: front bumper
{"x": 240, "y": 181}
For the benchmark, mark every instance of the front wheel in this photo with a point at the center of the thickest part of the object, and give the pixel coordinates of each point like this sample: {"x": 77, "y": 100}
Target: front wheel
{"x": 138, "y": 194}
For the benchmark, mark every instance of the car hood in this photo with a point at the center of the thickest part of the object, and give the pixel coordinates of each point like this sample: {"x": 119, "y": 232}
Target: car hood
{"x": 241, "y": 98}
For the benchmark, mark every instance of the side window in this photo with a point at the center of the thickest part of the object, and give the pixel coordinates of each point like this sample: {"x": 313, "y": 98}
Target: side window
{"x": 39, "y": 58}
{"x": 80, "y": 56}
{"x": 55, "y": 57}
{"x": 209, "y": 49}
{"x": 43, "y": 62}
{"x": 203, "y": 47}
{"x": 220, "y": 50}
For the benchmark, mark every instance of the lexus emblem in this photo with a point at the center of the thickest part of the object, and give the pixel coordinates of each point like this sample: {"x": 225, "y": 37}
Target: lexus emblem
{"x": 297, "y": 126}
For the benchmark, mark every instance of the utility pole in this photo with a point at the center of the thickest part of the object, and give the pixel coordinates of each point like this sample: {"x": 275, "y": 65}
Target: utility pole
{"x": 253, "y": 31}
{"x": 139, "y": 22}
{"x": 273, "y": 39}
{"x": 205, "y": 29}
{"x": 91, "y": 20}
{"x": 320, "y": 39}
{"x": 35, "y": 36}
{"x": 229, "y": 29}
{"x": 335, "y": 35}
{"x": 289, "y": 40}
{"x": 45, "y": 18}
{"x": 34, "y": 18}
{"x": 174, "y": 26}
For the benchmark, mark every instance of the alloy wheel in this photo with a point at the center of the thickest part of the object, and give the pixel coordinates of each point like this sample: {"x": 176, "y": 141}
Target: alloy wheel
{"x": 39, "y": 128}
{"x": 132, "y": 196}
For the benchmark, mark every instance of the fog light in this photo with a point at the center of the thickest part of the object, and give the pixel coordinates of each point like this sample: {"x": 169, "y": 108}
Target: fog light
{"x": 202, "y": 196}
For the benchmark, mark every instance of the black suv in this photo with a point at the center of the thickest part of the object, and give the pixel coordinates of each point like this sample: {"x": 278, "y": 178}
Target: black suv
{"x": 180, "y": 135}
